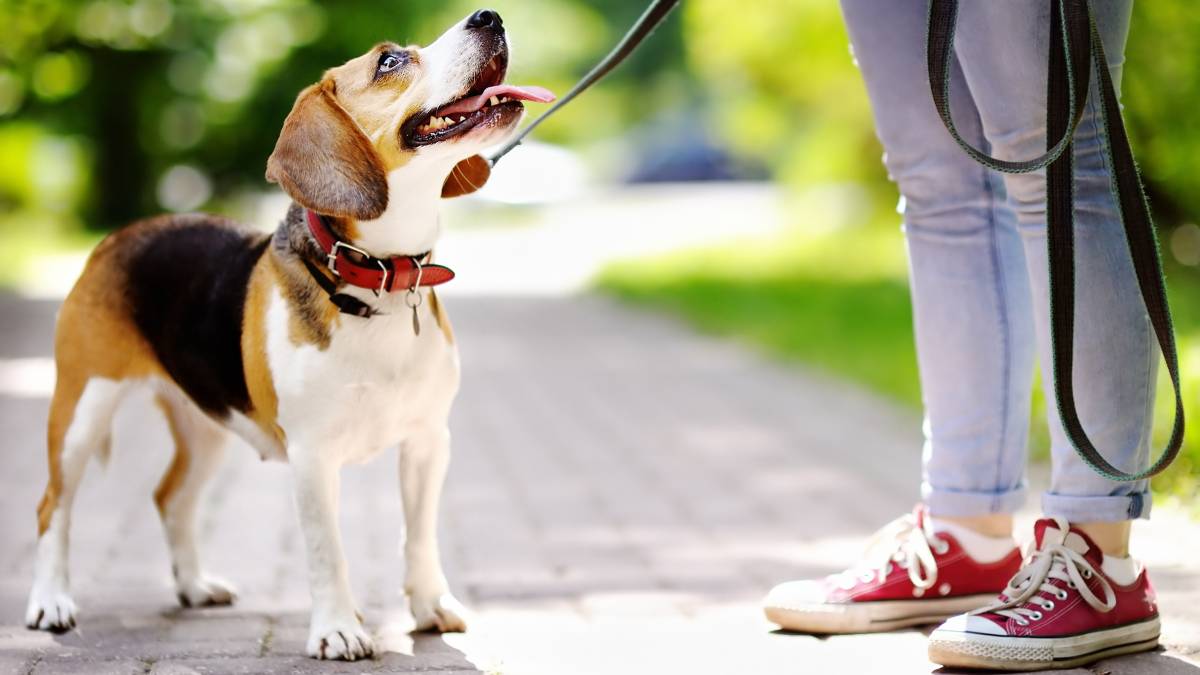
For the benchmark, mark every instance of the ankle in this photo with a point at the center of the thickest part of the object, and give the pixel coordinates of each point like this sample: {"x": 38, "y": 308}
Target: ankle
{"x": 1111, "y": 537}
{"x": 991, "y": 525}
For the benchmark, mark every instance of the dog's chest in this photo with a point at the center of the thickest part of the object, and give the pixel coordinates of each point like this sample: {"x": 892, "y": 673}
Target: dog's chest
{"x": 374, "y": 385}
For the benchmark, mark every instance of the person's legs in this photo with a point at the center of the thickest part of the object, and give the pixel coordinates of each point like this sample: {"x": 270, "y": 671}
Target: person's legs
{"x": 1003, "y": 55}
{"x": 971, "y": 299}
{"x": 1079, "y": 598}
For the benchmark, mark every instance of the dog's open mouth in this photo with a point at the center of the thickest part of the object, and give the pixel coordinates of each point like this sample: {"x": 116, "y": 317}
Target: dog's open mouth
{"x": 485, "y": 102}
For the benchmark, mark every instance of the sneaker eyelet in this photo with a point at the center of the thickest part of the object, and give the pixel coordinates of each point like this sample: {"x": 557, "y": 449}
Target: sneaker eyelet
{"x": 1022, "y": 622}
{"x": 1087, "y": 574}
{"x": 1070, "y": 584}
{"x": 1062, "y": 595}
{"x": 1036, "y": 616}
{"x": 1048, "y": 605}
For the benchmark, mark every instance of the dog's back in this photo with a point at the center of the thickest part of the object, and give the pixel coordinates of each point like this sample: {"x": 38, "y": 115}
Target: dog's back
{"x": 160, "y": 298}
{"x": 187, "y": 282}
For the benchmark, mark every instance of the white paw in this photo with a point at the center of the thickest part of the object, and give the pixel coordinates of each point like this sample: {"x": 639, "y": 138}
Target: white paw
{"x": 346, "y": 640}
{"x": 50, "y": 610}
{"x": 441, "y": 612}
{"x": 205, "y": 591}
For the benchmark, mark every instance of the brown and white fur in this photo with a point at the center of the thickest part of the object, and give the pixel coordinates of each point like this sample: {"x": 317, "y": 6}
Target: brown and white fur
{"x": 234, "y": 336}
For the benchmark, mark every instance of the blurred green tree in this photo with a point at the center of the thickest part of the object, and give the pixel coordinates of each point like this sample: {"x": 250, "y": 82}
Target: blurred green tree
{"x": 114, "y": 109}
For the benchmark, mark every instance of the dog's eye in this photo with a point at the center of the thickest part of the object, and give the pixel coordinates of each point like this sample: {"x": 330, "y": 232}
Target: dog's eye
{"x": 390, "y": 61}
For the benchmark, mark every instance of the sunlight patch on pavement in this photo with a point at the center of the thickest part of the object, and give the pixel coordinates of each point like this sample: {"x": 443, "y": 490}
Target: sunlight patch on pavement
{"x": 31, "y": 377}
{"x": 727, "y": 637}
{"x": 565, "y": 244}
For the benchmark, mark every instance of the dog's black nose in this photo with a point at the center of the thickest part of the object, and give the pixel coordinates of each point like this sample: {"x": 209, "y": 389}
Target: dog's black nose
{"x": 485, "y": 18}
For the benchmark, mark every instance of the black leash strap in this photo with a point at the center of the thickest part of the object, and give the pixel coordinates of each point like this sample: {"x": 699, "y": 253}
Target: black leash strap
{"x": 646, "y": 23}
{"x": 1075, "y": 47}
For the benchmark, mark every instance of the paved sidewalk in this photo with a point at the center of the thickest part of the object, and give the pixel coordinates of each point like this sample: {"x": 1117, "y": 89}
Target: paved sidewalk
{"x": 622, "y": 494}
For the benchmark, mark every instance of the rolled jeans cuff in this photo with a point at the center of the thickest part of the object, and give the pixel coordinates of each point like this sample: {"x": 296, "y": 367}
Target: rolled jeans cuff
{"x": 1097, "y": 509}
{"x": 967, "y": 503}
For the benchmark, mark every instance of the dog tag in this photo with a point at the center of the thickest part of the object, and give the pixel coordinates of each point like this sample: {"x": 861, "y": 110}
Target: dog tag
{"x": 413, "y": 299}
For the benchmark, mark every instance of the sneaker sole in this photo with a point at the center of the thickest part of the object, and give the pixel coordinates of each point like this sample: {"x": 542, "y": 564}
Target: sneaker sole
{"x": 872, "y": 617}
{"x": 955, "y": 649}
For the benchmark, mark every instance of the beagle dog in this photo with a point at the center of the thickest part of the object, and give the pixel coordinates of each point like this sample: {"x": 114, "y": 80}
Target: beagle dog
{"x": 320, "y": 344}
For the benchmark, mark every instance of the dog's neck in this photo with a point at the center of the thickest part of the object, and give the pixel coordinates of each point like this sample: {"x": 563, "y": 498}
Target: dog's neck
{"x": 411, "y": 224}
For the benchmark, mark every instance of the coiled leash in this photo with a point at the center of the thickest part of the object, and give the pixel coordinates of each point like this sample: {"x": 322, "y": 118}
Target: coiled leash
{"x": 646, "y": 23}
{"x": 1075, "y": 47}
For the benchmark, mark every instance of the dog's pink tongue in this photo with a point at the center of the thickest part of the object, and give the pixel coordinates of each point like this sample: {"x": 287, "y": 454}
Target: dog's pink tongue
{"x": 473, "y": 103}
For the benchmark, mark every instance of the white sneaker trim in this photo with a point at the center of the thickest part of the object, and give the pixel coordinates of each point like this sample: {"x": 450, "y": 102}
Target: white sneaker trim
{"x": 867, "y": 617}
{"x": 968, "y": 649}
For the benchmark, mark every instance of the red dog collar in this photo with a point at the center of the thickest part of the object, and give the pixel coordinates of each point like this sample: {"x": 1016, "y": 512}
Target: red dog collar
{"x": 359, "y": 268}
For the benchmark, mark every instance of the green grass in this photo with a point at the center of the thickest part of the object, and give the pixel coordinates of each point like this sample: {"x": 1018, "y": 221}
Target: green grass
{"x": 796, "y": 298}
{"x": 838, "y": 301}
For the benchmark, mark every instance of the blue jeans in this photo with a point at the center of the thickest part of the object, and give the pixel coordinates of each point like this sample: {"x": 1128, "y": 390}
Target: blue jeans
{"x": 978, "y": 268}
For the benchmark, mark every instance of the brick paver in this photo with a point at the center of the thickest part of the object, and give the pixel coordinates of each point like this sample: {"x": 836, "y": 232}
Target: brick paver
{"x": 622, "y": 494}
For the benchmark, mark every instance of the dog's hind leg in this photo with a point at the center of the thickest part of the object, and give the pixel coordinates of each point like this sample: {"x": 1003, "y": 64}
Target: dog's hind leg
{"x": 199, "y": 447}
{"x": 80, "y": 423}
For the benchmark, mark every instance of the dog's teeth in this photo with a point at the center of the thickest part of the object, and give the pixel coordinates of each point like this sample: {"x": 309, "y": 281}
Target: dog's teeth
{"x": 493, "y": 101}
{"x": 461, "y": 118}
{"x": 504, "y": 99}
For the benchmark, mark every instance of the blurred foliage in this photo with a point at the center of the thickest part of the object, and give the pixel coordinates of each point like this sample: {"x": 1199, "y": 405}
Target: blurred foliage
{"x": 1160, "y": 93}
{"x": 113, "y": 109}
{"x": 783, "y": 87}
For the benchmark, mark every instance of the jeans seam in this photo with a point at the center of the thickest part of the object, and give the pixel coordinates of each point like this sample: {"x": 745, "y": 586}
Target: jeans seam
{"x": 1005, "y": 342}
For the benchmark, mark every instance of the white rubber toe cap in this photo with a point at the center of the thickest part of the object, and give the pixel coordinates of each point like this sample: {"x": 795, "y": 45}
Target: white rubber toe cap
{"x": 970, "y": 623}
{"x": 793, "y": 594}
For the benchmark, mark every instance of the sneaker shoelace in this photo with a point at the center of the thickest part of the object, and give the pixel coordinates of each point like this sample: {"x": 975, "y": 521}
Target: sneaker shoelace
{"x": 1032, "y": 584}
{"x": 905, "y": 543}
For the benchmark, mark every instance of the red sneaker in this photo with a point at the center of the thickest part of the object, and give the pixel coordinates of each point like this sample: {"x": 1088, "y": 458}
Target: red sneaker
{"x": 1059, "y": 611}
{"x": 910, "y": 576}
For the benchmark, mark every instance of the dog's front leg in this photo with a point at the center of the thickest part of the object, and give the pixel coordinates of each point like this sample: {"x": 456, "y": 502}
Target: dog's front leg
{"x": 336, "y": 631}
{"x": 423, "y": 461}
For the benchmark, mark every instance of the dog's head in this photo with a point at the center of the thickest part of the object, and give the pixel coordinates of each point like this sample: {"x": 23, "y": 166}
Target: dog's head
{"x": 396, "y": 108}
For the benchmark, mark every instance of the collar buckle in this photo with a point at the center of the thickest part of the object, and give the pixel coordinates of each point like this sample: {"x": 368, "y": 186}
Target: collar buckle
{"x": 332, "y": 257}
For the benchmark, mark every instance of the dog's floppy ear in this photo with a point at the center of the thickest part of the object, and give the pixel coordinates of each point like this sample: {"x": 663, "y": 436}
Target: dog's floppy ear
{"x": 467, "y": 176}
{"x": 325, "y": 162}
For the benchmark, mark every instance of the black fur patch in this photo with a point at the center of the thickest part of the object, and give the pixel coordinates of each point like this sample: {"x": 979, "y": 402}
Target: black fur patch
{"x": 186, "y": 289}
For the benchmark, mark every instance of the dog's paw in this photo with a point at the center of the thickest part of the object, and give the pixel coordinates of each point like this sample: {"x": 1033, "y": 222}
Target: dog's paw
{"x": 344, "y": 640}
{"x": 442, "y": 613}
{"x": 205, "y": 591}
{"x": 53, "y": 611}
